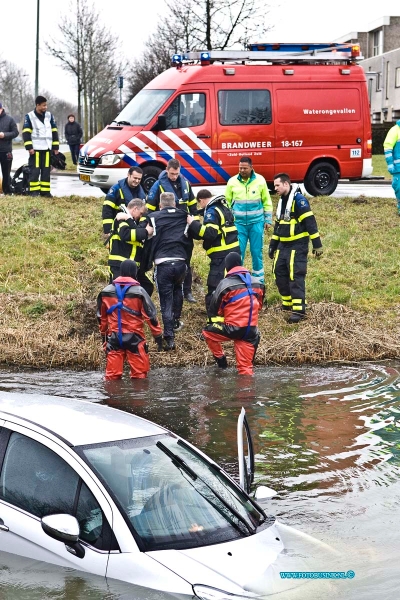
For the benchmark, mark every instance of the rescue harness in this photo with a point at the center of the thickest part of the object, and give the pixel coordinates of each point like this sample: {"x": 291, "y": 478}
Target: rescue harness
{"x": 246, "y": 278}
{"x": 121, "y": 290}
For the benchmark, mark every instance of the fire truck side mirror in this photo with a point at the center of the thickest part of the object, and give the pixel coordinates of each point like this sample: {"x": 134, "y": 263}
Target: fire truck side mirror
{"x": 161, "y": 123}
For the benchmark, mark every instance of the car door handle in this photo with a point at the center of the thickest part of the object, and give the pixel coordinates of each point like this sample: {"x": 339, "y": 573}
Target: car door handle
{"x": 2, "y": 526}
{"x": 203, "y": 136}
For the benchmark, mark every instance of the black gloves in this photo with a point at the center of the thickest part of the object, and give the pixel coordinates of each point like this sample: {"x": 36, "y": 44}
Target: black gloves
{"x": 271, "y": 251}
{"x": 317, "y": 252}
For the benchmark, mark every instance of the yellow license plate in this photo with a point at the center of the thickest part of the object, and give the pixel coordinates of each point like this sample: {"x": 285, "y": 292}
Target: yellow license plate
{"x": 84, "y": 177}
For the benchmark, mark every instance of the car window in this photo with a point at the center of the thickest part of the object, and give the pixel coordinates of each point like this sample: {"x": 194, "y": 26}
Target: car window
{"x": 187, "y": 110}
{"x": 167, "y": 504}
{"x": 244, "y": 107}
{"x": 142, "y": 108}
{"x": 89, "y": 515}
{"x": 35, "y": 479}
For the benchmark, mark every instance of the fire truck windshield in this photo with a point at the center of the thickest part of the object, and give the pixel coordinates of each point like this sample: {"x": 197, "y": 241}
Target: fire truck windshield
{"x": 142, "y": 108}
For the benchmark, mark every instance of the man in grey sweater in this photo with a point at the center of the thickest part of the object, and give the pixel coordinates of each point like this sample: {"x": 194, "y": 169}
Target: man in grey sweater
{"x": 8, "y": 131}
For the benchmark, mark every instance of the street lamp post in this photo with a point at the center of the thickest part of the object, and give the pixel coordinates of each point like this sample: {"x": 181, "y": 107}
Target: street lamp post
{"x": 37, "y": 51}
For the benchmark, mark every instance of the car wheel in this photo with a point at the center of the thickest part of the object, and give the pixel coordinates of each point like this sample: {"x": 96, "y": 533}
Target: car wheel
{"x": 150, "y": 176}
{"x": 321, "y": 179}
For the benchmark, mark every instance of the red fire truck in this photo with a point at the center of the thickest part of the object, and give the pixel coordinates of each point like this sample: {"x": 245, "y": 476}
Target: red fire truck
{"x": 297, "y": 108}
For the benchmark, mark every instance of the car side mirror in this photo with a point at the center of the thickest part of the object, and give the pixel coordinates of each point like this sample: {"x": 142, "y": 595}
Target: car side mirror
{"x": 64, "y": 528}
{"x": 161, "y": 123}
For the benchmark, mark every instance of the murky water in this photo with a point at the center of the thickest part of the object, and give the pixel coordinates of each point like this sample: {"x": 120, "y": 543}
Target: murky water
{"x": 327, "y": 439}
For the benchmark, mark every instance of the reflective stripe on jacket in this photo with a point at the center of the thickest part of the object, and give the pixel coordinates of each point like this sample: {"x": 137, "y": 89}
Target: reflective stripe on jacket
{"x": 298, "y": 224}
{"x": 391, "y": 147}
{"x": 127, "y": 240}
{"x": 118, "y": 194}
{"x": 250, "y": 201}
{"x": 163, "y": 184}
{"x": 42, "y": 134}
{"x": 218, "y": 232}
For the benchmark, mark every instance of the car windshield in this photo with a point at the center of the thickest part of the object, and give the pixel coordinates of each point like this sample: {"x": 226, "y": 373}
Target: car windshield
{"x": 172, "y": 496}
{"x": 142, "y": 108}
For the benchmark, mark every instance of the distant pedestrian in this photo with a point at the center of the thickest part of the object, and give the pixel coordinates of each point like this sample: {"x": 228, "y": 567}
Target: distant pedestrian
{"x": 73, "y": 134}
{"x": 248, "y": 196}
{"x": 8, "y": 131}
{"x": 391, "y": 147}
{"x": 295, "y": 226}
{"x": 122, "y": 308}
{"x": 40, "y": 136}
{"x": 237, "y": 300}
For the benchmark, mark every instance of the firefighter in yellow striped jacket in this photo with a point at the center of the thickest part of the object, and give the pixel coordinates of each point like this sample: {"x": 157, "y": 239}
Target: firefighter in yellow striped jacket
{"x": 295, "y": 226}
{"x": 121, "y": 193}
{"x": 40, "y": 137}
{"x": 219, "y": 235}
{"x": 128, "y": 235}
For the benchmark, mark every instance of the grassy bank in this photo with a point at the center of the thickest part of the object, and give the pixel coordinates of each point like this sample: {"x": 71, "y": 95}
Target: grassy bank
{"x": 380, "y": 166}
{"x": 53, "y": 264}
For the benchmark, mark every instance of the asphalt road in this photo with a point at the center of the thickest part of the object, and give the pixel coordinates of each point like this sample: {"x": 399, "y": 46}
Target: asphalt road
{"x": 66, "y": 185}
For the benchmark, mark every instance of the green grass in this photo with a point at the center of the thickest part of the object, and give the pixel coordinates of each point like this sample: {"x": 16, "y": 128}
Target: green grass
{"x": 380, "y": 166}
{"x": 71, "y": 168}
{"x": 360, "y": 266}
{"x": 56, "y": 247}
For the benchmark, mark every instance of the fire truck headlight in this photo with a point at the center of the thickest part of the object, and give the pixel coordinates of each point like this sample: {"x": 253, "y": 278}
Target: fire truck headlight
{"x": 110, "y": 159}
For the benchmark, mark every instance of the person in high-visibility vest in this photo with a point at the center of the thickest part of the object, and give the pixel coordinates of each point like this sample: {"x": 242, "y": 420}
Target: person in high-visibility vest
{"x": 121, "y": 193}
{"x": 219, "y": 235}
{"x": 391, "y": 146}
{"x": 40, "y": 137}
{"x": 295, "y": 226}
{"x": 248, "y": 196}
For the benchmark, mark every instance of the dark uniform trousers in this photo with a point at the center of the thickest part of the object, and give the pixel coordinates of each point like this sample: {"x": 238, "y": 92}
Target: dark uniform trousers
{"x": 187, "y": 284}
{"x": 6, "y": 162}
{"x": 215, "y": 275}
{"x": 290, "y": 269}
{"x": 39, "y": 173}
{"x": 169, "y": 277}
{"x": 147, "y": 285}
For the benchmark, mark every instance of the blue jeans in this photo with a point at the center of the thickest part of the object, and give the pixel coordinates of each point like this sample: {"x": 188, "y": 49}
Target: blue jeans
{"x": 396, "y": 187}
{"x": 169, "y": 278}
{"x": 254, "y": 233}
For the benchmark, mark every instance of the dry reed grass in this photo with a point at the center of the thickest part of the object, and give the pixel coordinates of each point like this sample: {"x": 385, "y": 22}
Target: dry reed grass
{"x": 61, "y": 332}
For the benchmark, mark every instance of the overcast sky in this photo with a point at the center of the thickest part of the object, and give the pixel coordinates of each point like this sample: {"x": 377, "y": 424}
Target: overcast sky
{"x": 133, "y": 21}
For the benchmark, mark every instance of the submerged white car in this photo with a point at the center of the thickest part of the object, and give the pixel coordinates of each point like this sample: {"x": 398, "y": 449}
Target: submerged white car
{"x": 103, "y": 491}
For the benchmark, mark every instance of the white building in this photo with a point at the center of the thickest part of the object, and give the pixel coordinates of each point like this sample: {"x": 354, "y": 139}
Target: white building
{"x": 380, "y": 46}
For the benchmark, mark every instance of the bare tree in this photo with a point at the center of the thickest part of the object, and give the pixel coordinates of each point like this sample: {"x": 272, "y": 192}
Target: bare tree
{"x": 87, "y": 50}
{"x": 198, "y": 25}
{"x": 15, "y": 90}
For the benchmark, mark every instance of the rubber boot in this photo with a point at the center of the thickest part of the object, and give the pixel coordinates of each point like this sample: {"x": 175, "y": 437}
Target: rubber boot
{"x": 221, "y": 362}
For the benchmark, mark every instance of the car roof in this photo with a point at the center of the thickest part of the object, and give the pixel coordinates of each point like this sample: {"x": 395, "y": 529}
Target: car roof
{"x": 78, "y": 422}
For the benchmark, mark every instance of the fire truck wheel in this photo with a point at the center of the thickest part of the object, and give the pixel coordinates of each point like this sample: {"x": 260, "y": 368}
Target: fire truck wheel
{"x": 150, "y": 176}
{"x": 321, "y": 179}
